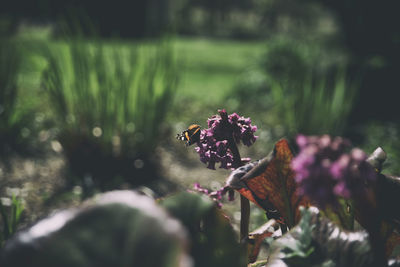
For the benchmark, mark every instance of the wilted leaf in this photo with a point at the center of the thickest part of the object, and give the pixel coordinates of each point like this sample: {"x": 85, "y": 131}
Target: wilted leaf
{"x": 391, "y": 243}
{"x": 271, "y": 185}
{"x": 377, "y": 158}
{"x": 260, "y": 263}
{"x": 256, "y": 238}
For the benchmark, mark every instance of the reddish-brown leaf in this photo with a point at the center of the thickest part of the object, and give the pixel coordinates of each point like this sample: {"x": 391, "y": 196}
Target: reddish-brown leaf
{"x": 271, "y": 185}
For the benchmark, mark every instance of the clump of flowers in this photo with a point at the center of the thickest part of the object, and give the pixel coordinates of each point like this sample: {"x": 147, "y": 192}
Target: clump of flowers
{"x": 217, "y": 144}
{"x": 324, "y": 170}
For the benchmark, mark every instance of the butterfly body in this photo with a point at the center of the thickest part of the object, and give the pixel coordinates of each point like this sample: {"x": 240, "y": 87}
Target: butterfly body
{"x": 191, "y": 135}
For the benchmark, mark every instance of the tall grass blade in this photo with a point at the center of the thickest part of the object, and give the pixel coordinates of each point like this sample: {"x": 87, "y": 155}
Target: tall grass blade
{"x": 114, "y": 94}
{"x": 318, "y": 105}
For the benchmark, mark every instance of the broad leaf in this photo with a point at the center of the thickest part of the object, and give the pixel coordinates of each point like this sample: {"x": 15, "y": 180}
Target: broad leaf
{"x": 120, "y": 228}
{"x": 271, "y": 185}
{"x": 316, "y": 241}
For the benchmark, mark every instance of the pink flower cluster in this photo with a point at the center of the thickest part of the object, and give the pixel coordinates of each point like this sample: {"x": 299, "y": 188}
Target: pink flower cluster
{"x": 324, "y": 170}
{"x": 215, "y": 195}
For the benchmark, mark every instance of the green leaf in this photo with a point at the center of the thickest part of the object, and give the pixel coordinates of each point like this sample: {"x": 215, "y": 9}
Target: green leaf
{"x": 316, "y": 241}
{"x": 16, "y": 210}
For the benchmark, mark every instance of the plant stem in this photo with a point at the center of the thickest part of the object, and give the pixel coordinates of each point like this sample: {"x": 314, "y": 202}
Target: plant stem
{"x": 237, "y": 162}
{"x": 244, "y": 217}
{"x": 244, "y": 202}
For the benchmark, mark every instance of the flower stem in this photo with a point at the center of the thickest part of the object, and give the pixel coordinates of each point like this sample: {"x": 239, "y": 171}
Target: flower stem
{"x": 244, "y": 217}
{"x": 244, "y": 202}
{"x": 237, "y": 160}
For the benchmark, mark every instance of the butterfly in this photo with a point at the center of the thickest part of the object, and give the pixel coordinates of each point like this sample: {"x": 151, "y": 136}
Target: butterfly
{"x": 191, "y": 135}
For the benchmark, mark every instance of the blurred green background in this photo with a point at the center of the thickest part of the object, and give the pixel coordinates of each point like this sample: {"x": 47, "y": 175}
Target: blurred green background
{"x": 92, "y": 94}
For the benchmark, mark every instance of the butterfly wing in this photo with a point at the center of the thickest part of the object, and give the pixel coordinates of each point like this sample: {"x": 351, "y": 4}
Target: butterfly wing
{"x": 191, "y": 135}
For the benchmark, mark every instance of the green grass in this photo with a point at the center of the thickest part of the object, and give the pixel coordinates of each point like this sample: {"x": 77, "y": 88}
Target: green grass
{"x": 10, "y": 218}
{"x": 15, "y": 110}
{"x": 315, "y": 106}
{"x": 109, "y": 102}
{"x": 10, "y": 61}
{"x": 123, "y": 90}
{"x": 210, "y": 68}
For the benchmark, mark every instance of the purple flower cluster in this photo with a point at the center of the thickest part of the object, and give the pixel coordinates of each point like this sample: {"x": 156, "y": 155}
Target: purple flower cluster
{"x": 212, "y": 151}
{"x": 324, "y": 170}
{"x": 215, "y": 145}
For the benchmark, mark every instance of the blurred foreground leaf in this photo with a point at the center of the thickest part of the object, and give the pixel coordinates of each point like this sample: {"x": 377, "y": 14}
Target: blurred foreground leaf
{"x": 377, "y": 210}
{"x": 214, "y": 243}
{"x": 119, "y": 228}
